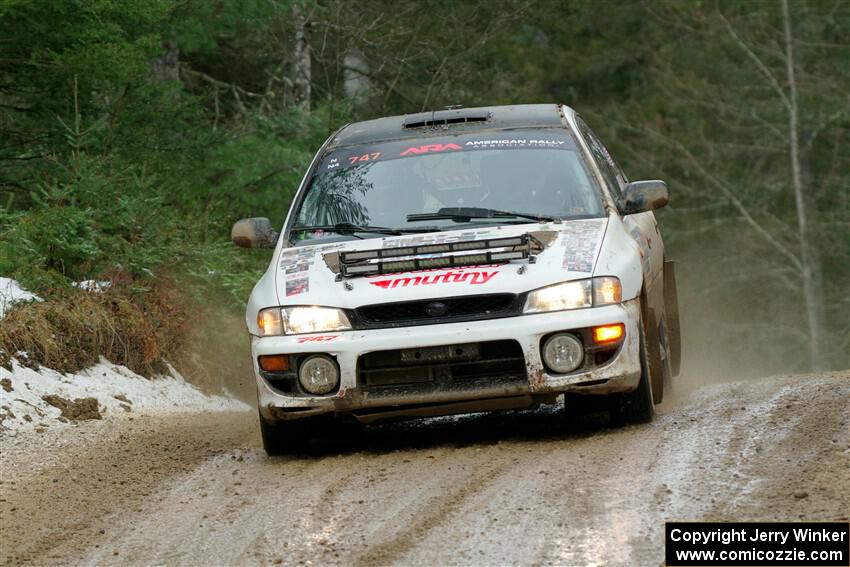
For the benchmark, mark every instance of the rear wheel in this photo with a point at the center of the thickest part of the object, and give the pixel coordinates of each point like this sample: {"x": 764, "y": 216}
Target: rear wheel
{"x": 637, "y": 406}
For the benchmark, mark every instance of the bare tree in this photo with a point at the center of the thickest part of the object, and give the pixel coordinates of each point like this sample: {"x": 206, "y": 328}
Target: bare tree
{"x": 742, "y": 112}
{"x": 810, "y": 268}
{"x": 302, "y": 62}
{"x": 807, "y": 264}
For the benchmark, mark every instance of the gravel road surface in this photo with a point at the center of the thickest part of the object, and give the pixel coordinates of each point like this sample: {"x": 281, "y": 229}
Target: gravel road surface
{"x": 494, "y": 489}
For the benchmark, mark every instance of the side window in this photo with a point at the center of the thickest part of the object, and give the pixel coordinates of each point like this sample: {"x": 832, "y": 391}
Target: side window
{"x": 611, "y": 171}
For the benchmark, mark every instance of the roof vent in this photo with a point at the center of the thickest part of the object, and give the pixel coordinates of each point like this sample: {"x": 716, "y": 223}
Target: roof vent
{"x": 444, "y": 118}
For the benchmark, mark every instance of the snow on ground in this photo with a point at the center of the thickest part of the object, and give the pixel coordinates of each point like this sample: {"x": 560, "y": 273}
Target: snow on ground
{"x": 11, "y": 292}
{"x": 116, "y": 389}
{"x": 22, "y": 390}
{"x": 93, "y": 286}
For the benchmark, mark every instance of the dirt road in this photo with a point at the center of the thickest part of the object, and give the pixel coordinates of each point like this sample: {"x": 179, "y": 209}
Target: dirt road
{"x": 487, "y": 489}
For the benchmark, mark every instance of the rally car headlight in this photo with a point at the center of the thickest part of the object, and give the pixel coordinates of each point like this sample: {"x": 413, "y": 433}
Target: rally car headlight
{"x": 574, "y": 295}
{"x": 299, "y": 320}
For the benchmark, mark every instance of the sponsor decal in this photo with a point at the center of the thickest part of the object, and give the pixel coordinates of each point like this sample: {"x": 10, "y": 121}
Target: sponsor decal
{"x": 643, "y": 243}
{"x": 296, "y": 265}
{"x": 317, "y": 339}
{"x": 364, "y": 158}
{"x": 581, "y": 244}
{"x": 430, "y": 148}
{"x": 514, "y": 143}
{"x": 297, "y": 284}
{"x": 469, "y": 275}
{"x": 437, "y": 238}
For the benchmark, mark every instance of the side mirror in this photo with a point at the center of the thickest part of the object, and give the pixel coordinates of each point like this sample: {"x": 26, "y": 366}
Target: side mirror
{"x": 254, "y": 233}
{"x": 642, "y": 196}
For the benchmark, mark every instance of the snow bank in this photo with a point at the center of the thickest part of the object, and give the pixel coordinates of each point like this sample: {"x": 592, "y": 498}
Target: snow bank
{"x": 104, "y": 381}
{"x": 11, "y": 292}
{"x": 116, "y": 389}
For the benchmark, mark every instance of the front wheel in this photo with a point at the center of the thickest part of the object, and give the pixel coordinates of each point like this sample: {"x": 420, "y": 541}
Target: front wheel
{"x": 274, "y": 438}
{"x": 284, "y": 437}
{"x": 637, "y": 406}
{"x": 305, "y": 435}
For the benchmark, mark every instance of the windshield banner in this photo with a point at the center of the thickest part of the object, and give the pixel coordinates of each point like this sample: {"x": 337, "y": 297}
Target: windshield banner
{"x": 503, "y": 140}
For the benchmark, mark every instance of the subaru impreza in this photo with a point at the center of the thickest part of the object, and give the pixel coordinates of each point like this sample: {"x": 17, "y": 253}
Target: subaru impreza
{"x": 459, "y": 261}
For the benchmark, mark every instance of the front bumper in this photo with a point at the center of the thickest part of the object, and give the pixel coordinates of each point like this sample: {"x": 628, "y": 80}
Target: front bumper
{"x": 620, "y": 374}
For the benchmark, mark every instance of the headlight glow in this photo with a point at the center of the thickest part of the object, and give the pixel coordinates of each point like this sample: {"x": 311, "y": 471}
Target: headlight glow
{"x": 574, "y": 295}
{"x": 298, "y": 320}
{"x": 559, "y": 297}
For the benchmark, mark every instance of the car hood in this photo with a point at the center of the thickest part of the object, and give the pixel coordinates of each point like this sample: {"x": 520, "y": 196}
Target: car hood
{"x": 307, "y": 275}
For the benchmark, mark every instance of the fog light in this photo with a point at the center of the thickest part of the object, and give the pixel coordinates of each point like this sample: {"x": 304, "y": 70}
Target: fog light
{"x": 318, "y": 374}
{"x": 563, "y": 353}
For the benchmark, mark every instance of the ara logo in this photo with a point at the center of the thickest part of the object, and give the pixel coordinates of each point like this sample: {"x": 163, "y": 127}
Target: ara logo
{"x": 430, "y": 148}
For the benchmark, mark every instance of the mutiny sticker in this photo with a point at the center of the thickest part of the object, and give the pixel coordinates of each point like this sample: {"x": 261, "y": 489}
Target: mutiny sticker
{"x": 467, "y": 275}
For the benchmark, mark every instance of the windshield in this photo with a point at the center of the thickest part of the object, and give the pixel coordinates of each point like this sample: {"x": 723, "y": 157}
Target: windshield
{"x": 534, "y": 172}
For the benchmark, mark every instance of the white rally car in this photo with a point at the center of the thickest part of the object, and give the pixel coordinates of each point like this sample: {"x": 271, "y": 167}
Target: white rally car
{"x": 458, "y": 261}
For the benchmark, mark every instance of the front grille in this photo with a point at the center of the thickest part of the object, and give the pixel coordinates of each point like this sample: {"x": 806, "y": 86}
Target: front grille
{"x": 466, "y": 308}
{"x": 444, "y": 366}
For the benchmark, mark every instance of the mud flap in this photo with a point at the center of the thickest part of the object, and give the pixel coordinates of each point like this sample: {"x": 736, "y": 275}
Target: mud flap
{"x": 671, "y": 318}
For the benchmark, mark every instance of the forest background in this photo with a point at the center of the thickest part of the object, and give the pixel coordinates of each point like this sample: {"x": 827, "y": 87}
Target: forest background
{"x": 133, "y": 134}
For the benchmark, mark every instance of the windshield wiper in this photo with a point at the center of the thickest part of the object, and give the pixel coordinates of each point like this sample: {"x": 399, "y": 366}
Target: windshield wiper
{"x": 349, "y": 228}
{"x": 465, "y": 214}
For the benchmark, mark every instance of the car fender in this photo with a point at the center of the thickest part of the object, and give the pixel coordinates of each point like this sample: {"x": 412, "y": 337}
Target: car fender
{"x": 263, "y": 295}
{"x": 620, "y": 256}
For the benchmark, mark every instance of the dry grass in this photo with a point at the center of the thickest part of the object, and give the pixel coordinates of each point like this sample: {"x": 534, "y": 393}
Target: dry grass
{"x": 71, "y": 331}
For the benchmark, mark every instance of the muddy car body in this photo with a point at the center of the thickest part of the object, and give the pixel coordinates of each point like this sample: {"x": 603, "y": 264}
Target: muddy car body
{"x": 457, "y": 261}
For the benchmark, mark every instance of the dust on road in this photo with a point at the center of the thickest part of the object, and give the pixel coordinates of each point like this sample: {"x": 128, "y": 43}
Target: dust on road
{"x": 485, "y": 489}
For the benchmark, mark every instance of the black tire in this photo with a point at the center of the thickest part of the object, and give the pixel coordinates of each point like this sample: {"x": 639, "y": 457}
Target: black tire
{"x": 659, "y": 367}
{"x": 671, "y": 319}
{"x": 637, "y": 406}
{"x": 284, "y": 437}
{"x": 305, "y": 435}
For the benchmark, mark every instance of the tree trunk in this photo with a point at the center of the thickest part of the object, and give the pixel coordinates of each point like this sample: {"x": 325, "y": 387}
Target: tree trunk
{"x": 355, "y": 71}
{"x": 812, "y": 296}
{"x": 166, "y": 67}
{"x": 301, "y": 58}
